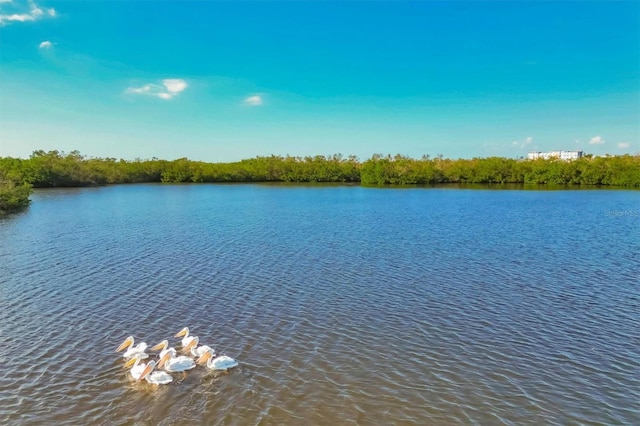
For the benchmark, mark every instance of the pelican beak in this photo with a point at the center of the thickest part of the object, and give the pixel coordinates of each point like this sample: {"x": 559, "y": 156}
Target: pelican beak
{"x": 160, "y": 346}
{"x": 127, "y": 342}
{"x": 182, "y": 332}
{"x": 130, "y": 362}
{"x": 203, "y": 359}
{"x": 190, "y": 345}
{"x": 164, "y": 359}
{"x": 148, "y": 369}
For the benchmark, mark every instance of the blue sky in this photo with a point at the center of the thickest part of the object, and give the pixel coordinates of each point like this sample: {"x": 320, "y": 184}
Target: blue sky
{"x": 224, "y": 81}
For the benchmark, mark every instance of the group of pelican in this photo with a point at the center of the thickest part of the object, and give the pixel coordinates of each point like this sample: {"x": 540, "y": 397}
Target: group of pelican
{"x": 169, "y": 360}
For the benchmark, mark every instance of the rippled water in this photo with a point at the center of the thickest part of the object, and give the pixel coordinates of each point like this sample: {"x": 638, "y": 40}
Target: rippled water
{"x": 343, "y": 305}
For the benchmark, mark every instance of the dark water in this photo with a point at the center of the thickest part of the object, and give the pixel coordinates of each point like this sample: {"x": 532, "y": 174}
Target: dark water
{"x": 343, "y": 305}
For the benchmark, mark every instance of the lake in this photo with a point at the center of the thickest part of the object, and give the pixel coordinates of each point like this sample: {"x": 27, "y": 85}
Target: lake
{"x": 342, "y": 305}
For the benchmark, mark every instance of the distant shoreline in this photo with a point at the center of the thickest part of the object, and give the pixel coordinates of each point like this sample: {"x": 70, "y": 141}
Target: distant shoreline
{"x": 54, "y": 168}
{"x": 57, "y": 169}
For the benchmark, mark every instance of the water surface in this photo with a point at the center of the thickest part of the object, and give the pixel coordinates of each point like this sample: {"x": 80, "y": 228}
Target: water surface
{"x": 343, "y": 305}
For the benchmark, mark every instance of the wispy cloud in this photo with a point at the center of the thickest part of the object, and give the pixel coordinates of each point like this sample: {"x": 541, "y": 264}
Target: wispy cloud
{"x": 168, "y": 89}
{"x": 596, "y": 140}
{"x": 524, "y": 143}
{"x": 23, "y": 12}
{"x": 624, "y": 145}
{"x": 45, "y": 44}
{"x": 255, "y": 100}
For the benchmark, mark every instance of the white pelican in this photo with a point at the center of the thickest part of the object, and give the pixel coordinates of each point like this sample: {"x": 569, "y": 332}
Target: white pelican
{"x": 173, "y": 363}
{"x": 222, "y": 362}
{"x": 186, "y": 339}
{"x": 140, "y": 348}
{"x": 168, "y": 359}
{"x": 198, "y": 351}
{"x": 141, "y": 371}
{"x": 136, "y": 366}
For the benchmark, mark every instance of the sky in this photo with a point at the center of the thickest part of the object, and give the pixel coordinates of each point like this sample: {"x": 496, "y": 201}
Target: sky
{"x": 222, "y": 81}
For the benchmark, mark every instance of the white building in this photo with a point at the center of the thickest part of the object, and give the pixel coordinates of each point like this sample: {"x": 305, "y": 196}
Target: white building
{"x": 563, "y": 155}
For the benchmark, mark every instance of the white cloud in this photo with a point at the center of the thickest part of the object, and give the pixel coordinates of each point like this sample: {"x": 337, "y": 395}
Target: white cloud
{"x": 169, "y": 88}
{"x": 624, "y": 145}
{"x": 174, "y": 85}
{"x": 45, "y": 45}
{"x": 255, "y": 100}
{"x": 144, "y": 89}
{"x": 596, "y": 140}
{"x": 24, "y": 12}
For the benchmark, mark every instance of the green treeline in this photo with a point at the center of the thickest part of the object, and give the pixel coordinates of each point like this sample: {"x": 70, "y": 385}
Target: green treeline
{"x": 58, "y": 169}
{"x": 400, "y": 170}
